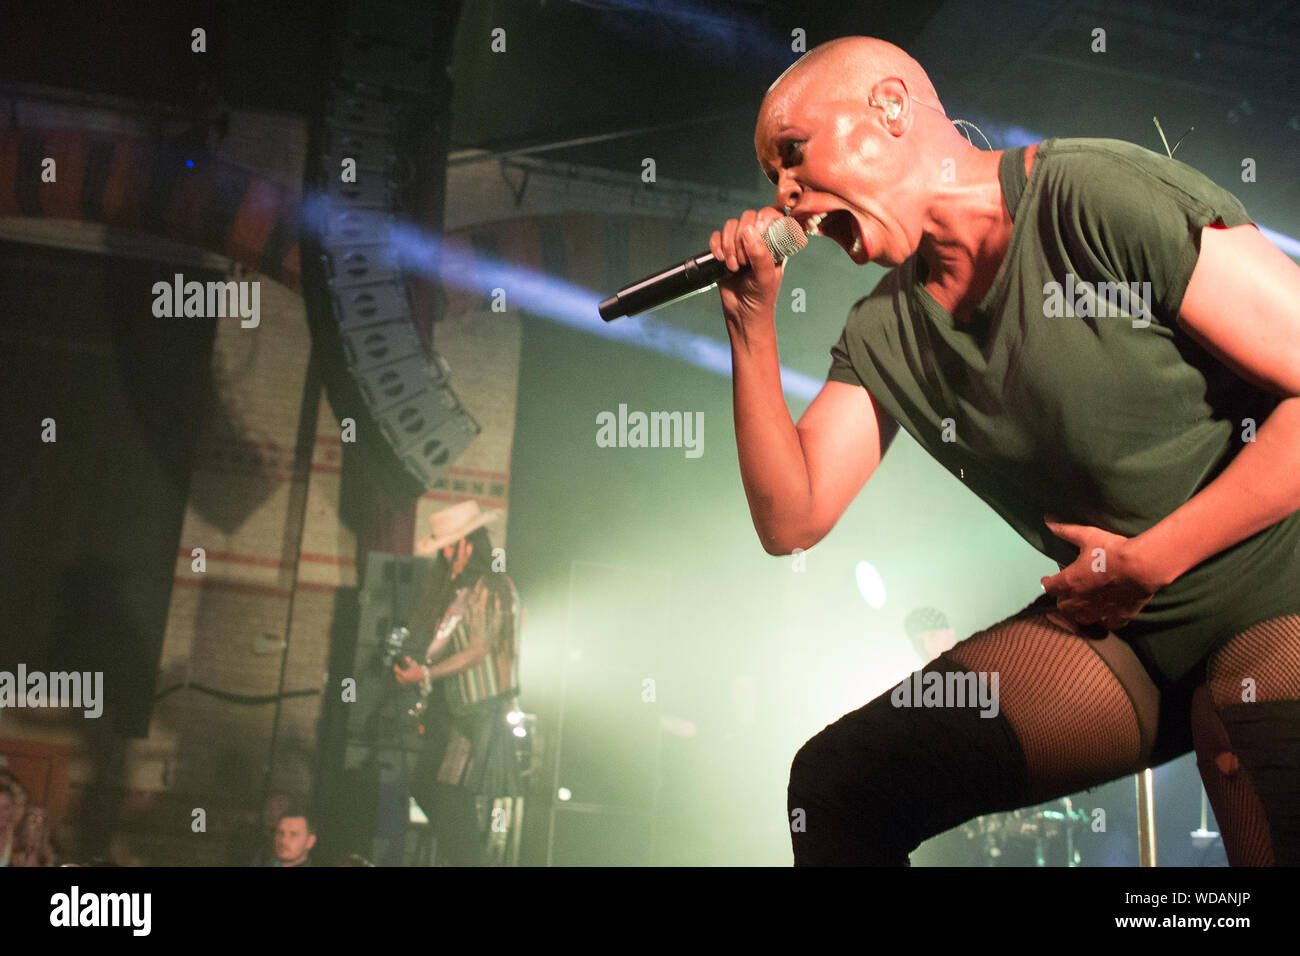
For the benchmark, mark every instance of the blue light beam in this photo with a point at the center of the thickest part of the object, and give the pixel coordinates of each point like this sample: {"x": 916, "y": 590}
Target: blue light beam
{"x": 571, "y": 305}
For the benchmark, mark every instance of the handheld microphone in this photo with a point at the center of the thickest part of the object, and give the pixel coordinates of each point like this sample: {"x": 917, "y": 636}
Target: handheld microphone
{"x": 783, "y": 239}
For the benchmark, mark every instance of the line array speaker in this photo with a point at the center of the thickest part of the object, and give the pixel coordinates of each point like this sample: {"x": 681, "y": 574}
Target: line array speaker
{"x": 390, "y": 87}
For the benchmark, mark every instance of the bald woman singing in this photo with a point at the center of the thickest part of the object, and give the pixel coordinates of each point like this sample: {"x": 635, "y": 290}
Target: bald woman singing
{"x": 1099, "y": 343}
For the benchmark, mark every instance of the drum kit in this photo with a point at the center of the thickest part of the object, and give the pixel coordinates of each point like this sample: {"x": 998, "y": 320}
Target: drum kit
{"x": 1033, "y": 836}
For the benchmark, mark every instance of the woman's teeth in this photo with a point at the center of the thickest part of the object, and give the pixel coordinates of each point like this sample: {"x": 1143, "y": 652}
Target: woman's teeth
{"x": 813, "y": 229}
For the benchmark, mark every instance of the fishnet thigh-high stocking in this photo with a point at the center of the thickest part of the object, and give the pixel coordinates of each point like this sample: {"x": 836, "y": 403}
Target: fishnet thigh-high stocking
{"x": 1071, "y": 713}
{"x": 1246, "y": 730}
{"x": 1084, "y": 710}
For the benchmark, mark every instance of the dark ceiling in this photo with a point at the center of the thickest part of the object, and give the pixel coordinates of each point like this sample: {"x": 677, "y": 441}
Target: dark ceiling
{"x": 572, "y": 69}
{"x": 692, "y": 73}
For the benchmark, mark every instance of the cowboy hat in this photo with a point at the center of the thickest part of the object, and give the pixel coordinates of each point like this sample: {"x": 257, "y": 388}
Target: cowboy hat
{"x": 452, "y": 523}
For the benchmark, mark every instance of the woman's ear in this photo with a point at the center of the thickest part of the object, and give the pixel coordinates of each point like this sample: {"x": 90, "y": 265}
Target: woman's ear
{"x": 889, "y": 95}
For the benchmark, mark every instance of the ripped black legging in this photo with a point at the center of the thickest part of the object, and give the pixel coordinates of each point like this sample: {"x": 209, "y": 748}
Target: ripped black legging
{"x": 1073, "y": 713}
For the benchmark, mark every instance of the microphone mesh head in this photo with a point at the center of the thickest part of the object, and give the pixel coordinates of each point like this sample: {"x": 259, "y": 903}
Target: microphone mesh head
{"x": 784, "y": 238}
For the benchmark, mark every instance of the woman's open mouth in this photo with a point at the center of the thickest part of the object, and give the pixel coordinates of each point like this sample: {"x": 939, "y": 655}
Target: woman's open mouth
{"x": 840, "y": 226}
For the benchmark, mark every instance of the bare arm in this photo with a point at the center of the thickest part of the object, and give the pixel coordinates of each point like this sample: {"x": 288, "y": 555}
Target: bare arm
{"x": 479, "y": 623}
{"x": 462, "y": 661}
{"x": 798, "y": 479}
{"x": 1241, "y": 306}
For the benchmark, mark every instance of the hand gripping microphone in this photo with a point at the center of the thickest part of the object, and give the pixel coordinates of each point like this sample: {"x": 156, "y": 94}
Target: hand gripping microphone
{"x": 783, "y": 239}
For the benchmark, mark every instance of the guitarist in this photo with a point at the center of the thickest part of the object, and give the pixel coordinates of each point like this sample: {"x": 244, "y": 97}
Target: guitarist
{"x": 468, "y": 680}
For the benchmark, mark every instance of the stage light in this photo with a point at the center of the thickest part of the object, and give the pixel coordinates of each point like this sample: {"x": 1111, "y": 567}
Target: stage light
{"x": 870, "y": 584}
{"x": 414, "y": 814}
{"x": 521, "y": 732}
{"x": 563, "y": 793}
{"x": 514, "y": 717}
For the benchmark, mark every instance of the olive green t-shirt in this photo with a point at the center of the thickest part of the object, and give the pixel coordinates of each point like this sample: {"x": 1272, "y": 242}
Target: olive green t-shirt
{"x": 1072, "y": 390}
